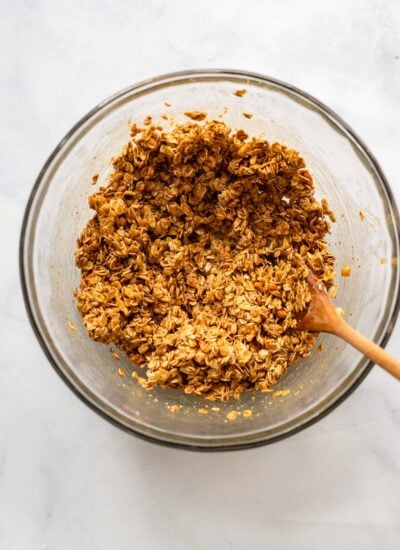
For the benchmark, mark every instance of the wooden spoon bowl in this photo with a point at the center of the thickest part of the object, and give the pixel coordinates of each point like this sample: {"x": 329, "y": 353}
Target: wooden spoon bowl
{"x": 321, "y": 316}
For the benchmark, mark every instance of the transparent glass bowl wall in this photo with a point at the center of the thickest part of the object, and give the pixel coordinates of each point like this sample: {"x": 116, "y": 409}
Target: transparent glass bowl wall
{"x": 344, "y": 173}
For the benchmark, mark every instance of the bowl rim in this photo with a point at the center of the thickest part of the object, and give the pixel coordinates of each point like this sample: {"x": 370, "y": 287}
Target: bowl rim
{"x": 171, "y": 78}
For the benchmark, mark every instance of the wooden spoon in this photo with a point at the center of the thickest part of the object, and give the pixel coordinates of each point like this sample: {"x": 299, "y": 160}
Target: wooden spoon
{"x": 321, "y": 316}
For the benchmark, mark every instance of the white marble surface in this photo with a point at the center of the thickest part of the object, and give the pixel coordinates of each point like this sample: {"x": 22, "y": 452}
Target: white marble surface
{"x": 68, "y": 479}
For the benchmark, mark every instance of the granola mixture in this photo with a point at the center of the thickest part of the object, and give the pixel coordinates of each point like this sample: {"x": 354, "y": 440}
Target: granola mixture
{"x": 196, "y": 259}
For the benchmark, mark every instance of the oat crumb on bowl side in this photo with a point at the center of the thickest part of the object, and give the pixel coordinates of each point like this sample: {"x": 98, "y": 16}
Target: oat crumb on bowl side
{"x": 196, "y": 115}
{"x": 346, "y": 271}
{"x": 240, "y": 93}
{"x": 339, "y": 311}
{"x": 280, "y": 393}
{"x": 174, "y": 408}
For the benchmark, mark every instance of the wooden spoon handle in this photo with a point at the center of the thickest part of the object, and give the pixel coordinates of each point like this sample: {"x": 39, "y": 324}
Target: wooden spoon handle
{"x": 368, "y": 348}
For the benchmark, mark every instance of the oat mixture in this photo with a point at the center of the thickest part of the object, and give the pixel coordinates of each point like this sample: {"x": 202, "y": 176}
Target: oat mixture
{"x": 196, "y": 259}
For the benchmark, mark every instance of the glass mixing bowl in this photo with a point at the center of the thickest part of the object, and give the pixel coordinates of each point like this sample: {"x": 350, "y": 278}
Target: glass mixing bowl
{"x": 344, "y": 172}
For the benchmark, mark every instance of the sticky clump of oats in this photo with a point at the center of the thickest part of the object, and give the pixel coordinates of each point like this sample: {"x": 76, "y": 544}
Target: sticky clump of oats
{"x": 195, "y": 262}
